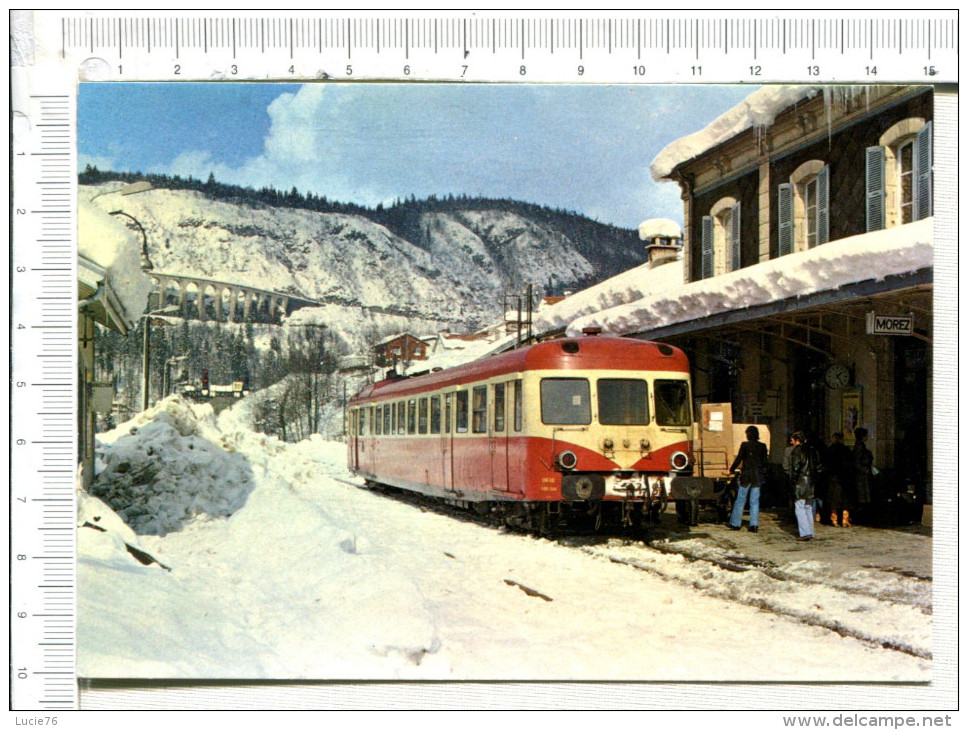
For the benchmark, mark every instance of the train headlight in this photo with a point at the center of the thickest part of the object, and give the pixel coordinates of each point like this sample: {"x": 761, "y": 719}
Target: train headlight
{"x": 679, "y": 461}
{"x": 567, "y": 460}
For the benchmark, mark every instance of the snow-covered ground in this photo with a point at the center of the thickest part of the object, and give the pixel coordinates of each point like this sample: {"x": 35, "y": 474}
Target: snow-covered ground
{"x": 275, "y": 564}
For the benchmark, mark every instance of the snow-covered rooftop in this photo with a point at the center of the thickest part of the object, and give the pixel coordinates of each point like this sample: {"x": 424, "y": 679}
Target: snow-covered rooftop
{"x": 105, "y": 241}
{"x": 759, "y": 109}
{"x": 659, "y": 228}
{"x": 658, "y": 298}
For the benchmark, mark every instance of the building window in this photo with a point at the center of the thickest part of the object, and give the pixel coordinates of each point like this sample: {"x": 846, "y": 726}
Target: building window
{"x": 899, "y": 177}
{"x": 803, "y": 208}
{"x": 720, "y": 246}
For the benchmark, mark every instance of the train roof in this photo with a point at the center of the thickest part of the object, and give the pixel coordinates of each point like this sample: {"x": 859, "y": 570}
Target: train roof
{"x": 572, "y": 353}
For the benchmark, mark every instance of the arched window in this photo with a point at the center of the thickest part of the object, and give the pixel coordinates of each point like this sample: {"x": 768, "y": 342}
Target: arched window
{"x": 899, "y": 175}
{"x": 721, "y": 238}
{"x": 804, "y": 208}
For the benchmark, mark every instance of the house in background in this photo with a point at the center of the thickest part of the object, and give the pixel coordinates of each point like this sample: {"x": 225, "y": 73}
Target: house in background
{"x": 800, "y": 183}
{"x": 402, "y": 348}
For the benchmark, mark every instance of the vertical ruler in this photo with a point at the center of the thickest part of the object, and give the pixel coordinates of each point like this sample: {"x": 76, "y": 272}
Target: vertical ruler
{"x": 43, "y": 441}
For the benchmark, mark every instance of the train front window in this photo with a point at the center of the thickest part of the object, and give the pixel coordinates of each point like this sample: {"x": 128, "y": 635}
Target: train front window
{"x": 672, "y": 403}
{"x": 623, "y": 402}
{"x": 565, "y": 401}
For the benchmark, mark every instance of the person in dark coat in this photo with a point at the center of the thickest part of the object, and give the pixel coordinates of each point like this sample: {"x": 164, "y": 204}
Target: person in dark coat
{"x": 804, "y": 469}
{"x": 751, "y": 462}
{"x": 863, "y": 463}
{"x": 839, "y": 468}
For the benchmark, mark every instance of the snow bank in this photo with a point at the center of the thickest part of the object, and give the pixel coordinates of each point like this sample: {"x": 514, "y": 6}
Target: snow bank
{"x": 759, "y": 109}
{"x": 167, "y": 468}
{"x": 871, "y": 256}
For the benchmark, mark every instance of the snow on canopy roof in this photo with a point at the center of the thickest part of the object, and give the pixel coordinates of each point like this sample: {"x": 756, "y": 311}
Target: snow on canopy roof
{"x": 106, "y": 241}
{"x": 759, "y": 109}
{"x": 659, "y": 228}
{"x": 870, "y": 256}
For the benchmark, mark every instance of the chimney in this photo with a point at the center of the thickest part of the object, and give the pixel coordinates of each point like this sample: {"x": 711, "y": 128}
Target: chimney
{"x": 663, "y": 240}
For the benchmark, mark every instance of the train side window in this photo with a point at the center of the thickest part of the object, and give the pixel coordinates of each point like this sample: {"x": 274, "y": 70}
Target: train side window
{"x": 422, "y": 416}
{"x": 401, "y": 417}
{"x": 412, "y": 415}
{"x": 518, "y": 406}
{"x": 462, "y": 411}
{"x": 672, "y": 403}
{"x": 500, "y": 404}
{"x": 479, "y": 417}
{"x": 386, "y": 419}
{"x": 371, "y": 420}
{"x": 362, "y": 429}
{"x": 565, "y": 401}
{"x": 448, "y": 411}
{"x": 378, "y": 421}
{"x": 435, "y": 414}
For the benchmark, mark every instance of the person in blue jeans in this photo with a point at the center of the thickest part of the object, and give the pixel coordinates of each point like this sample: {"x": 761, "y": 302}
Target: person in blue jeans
{"x": 805, "y": 467}
{"x": 751, "y": 464}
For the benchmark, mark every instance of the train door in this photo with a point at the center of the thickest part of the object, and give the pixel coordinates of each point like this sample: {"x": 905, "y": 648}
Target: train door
{"x": 447, "y": 441}
{"x": 498, "y": 438}
{"x": 354, "y": 441}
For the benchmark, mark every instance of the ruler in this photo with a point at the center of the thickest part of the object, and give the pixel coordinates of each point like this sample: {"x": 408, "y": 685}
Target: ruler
{"x": 644, "y": 47}
{"x": 54, "y": 50}
{"x": 43, "y": 427}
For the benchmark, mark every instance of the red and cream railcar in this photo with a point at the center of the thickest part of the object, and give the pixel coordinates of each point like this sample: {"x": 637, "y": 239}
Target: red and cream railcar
{"x": 595, "y": 426}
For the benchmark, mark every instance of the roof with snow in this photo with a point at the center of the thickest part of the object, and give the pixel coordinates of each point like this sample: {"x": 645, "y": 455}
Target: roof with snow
{"x": 832, "y": 268}
{"x": 109, "y": 268}
{"x": 759, "y": 109}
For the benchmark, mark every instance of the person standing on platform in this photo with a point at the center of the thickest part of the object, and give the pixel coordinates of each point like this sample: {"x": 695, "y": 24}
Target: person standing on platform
{"x": 804, "y": 471}
{"x": 839, "y": 467}
{"x": 751, "y": 462}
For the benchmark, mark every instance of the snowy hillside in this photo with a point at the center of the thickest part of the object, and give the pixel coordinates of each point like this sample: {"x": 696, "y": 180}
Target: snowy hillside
{"x": 454, "y": 273}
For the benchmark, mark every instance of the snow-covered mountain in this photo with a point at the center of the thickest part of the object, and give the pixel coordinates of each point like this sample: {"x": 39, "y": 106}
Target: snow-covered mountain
{"x": 453, "y": 269}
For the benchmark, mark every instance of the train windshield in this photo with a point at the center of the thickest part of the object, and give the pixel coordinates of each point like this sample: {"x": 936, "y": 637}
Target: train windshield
{"x": 672, "y": 403}
{"x": 565, "y": 401}
{"x": 623, "y": 402}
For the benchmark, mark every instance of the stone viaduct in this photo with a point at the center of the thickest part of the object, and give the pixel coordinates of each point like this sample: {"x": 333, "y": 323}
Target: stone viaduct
{"x": 222, "y": 301}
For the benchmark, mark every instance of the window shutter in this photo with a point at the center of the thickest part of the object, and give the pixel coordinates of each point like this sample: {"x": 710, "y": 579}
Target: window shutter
{"x": 922, "y": 173}
{"x": 823, "y": 204}
{"x": 785, "y": 216}
{"x": 706, "y": 268}
{"x": 734, "y": 236}
{"x": 875, "y": 188}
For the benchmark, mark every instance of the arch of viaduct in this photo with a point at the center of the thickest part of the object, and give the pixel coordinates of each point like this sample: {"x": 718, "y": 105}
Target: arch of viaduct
{"x": 210, "y": 299}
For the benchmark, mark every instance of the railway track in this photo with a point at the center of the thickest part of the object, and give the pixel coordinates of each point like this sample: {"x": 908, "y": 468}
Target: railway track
{"x": 838, "y": 603}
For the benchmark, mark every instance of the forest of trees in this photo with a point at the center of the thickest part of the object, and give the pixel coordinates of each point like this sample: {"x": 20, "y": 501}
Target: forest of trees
{"x": 300, "y": 364}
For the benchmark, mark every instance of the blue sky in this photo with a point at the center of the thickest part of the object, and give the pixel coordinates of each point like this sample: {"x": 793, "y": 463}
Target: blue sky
{"x": 584, "y": 147}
